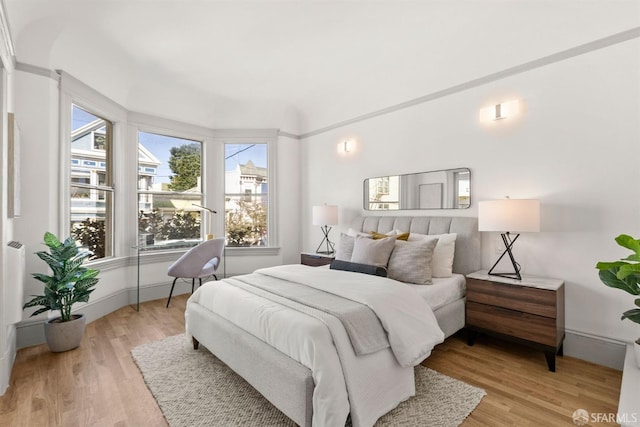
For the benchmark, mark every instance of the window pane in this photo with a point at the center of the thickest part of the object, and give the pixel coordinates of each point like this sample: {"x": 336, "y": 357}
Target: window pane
{"x": 86, "y": 153}
{"x": 166, "y": 163}
{"x": 169, "y": 184}
{"x": 90, "y": 222}
{"x": 246, "y": 194}
{"x": 91, "y": 195}
{"x": 167, "y": 218}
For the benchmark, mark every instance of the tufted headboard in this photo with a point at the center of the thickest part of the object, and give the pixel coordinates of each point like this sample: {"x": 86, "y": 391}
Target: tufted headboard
{"x": 467, "y": 255}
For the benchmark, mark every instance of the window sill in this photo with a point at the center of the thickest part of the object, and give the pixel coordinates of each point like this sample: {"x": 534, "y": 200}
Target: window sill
{"x": 151, "y": 257}
{"x": 252, "y": 250}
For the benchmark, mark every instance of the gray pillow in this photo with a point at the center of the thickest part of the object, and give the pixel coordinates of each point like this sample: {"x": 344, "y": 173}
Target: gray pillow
{"x": 358, "y": 268}
{"x": 344, "y": 248}
{"x": 410, "y": 262}
{"x": 372, "y": 252}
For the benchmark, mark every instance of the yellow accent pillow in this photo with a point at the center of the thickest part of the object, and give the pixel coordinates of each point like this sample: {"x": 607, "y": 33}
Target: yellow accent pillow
{"x": 402, "y": 236}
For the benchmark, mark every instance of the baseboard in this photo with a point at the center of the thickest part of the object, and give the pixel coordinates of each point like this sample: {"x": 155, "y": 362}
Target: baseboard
{"x": 7, "y": 359}
{"x": 596, "y": 349}
{"x": 31, "y": 332}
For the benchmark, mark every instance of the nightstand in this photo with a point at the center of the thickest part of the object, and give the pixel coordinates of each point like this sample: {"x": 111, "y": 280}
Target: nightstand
{"x": 315, "y": 260}
{"x": 528, "y": 311}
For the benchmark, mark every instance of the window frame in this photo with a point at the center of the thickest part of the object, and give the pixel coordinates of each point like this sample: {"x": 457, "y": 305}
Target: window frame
{"x": 203, "y": 191}
{"x": 261, "y": 136}
{"x": 74, "y": 92}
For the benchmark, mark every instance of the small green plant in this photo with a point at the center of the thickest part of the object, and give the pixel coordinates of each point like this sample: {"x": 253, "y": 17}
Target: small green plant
{"x": 70, "y": 282}
{"x": 624, "y": 274}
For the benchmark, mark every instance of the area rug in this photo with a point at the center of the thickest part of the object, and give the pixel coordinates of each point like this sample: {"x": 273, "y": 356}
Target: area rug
{"x": 194, "y": 388}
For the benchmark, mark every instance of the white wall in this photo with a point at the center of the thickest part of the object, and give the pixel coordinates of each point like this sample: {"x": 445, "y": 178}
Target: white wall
{"x": 575, "y": 147}
{"x": 7, "y": 332}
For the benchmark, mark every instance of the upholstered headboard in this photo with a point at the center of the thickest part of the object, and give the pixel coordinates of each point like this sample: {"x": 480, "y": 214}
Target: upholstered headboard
{"x": 467, "y": 255}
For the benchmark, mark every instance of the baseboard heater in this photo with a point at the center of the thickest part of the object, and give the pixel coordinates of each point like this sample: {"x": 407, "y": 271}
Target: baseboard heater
{"x": 14, "y": 286}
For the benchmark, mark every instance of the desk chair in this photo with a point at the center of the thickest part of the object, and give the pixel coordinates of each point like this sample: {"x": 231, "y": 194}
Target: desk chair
{"x": 198, "y": 262}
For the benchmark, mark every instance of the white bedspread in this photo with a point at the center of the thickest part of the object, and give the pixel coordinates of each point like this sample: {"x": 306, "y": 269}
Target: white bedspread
{"x": 367, "y": 386}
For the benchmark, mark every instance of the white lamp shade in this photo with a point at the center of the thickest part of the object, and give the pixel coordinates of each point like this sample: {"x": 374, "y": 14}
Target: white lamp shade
{"x": 325, "y": 215}
{"x": 512, "y": 215}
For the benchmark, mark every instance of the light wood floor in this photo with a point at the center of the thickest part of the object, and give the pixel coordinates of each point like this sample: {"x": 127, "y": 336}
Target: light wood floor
{"x": 98, "y": 384}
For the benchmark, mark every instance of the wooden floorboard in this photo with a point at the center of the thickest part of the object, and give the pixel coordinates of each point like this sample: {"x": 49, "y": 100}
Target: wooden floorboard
{"x": 98, "y": 384}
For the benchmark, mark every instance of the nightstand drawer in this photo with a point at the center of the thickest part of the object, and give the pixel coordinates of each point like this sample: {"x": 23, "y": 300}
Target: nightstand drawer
{"x": 541, "y": 302}
{"x": 526, "y": 326}
{"x": 315, "y": 260}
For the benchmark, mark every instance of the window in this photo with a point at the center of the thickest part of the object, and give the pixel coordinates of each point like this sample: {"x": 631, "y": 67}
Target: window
{"x": 92, "y": 192}
{"x": 246, "y": 194}
{"x": 169, "y": 188}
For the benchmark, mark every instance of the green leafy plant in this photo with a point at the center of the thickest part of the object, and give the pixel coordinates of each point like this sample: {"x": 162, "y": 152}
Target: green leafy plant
{"x": 624, "y": 274}
{"x": 70, "y": 282}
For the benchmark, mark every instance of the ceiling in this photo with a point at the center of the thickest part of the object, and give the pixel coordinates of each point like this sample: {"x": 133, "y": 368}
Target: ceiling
{"x": 295, "y": 65}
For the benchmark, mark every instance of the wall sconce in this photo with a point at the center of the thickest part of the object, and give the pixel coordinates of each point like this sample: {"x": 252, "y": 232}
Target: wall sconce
{"x": 500, "y": 111}
{"x": 346, "y": 146}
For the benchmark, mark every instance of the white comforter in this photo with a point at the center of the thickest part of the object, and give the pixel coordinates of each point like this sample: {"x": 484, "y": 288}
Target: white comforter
{"x": 367, "y": 386}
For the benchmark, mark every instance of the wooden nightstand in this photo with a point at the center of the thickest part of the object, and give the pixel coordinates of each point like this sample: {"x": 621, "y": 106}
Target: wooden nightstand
{"x": 529, "y": 311}
{"x": 315, "y": 260}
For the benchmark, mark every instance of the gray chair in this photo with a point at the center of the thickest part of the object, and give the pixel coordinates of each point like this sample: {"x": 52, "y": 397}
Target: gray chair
{"x": 198, "y": 262}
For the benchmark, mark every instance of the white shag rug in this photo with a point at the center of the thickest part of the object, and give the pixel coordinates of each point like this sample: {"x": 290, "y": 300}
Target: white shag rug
{"x": 194, "y": 388}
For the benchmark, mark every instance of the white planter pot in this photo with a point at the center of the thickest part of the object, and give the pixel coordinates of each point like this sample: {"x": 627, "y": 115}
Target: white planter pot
{"x": 63, "y": 336}
{"x": 636, "y": 348}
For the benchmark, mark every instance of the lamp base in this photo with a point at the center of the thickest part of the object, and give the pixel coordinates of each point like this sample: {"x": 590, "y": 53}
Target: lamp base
{"x": 508, "y": 244}
{"x": 330, "y": 249}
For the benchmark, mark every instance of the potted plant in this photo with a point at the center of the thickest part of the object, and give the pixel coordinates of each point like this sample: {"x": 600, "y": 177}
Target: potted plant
{"x": 625, "y": 274}
{"x": 70, "y": 283}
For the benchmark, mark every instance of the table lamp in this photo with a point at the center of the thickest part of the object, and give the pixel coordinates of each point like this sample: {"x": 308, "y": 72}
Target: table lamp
{"x": 507, "y": 216}
{"x": 325, "y": 216}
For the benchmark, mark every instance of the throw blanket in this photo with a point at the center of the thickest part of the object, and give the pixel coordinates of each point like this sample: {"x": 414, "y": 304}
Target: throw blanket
{"x": 411, "y": 326}
{"x": 361, "y": 323}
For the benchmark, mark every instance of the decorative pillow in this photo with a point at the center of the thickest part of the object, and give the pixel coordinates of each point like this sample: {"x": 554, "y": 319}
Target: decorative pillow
{"x": 353, "y": 233}
{"x": 410, "y": 262}
{"x": 344, "y": 248}
{"x": 372, "y": 252}
{"x": 358, "y": 268}
{"x": 442, "y": 264}
{"x": 398, "y": 236}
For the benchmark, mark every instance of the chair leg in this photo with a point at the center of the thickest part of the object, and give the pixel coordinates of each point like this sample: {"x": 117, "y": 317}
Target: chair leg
{"x": 200, "y": 281}
{"x": 171, "y": 292}
{"x": 193, "y": 284}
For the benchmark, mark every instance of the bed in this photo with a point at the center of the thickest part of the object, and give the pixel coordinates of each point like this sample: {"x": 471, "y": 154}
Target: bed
{"x": 289, "y": 383}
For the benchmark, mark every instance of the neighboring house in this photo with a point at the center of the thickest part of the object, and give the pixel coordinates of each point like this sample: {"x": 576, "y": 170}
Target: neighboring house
{"x": 247, "y": 180}
{"x": 88, "y": 165}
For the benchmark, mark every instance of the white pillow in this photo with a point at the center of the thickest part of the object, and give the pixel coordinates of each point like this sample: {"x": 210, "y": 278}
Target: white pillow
{"x": 410, "y": 262}
{"x": 442, "y": 263}
{"x": 372, "y": 252}
{"x": 353, "y": 233}
{"x": 344, "y": 248}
